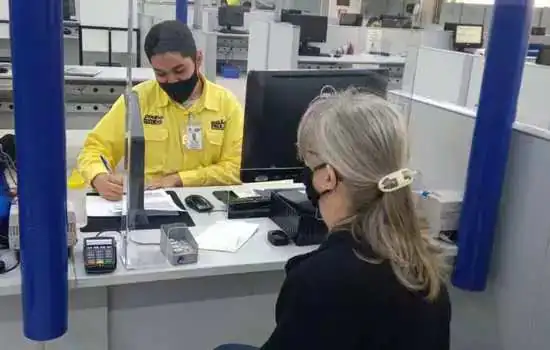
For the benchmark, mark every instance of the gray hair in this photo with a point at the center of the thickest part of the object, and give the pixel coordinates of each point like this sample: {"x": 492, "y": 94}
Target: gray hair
{"x": 364, "y": 138}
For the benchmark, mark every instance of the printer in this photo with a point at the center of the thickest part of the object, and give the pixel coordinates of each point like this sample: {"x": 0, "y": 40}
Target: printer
{"x": 14, "y": 232}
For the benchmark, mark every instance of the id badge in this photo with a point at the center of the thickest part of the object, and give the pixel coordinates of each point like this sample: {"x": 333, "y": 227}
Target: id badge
{"x": 194, "y": 137}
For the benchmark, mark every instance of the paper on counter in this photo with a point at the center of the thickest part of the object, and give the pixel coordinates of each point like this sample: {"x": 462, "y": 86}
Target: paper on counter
{"x": 155, "y": 200}
{"x": 245, "y": 193}
{"x": 97, "y": 206}
{"x": 82, "y": 71}
{"x": 226, "y": 236}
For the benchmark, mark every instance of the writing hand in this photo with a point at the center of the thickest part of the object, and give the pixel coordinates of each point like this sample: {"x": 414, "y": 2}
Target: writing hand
{"x": 109, "y": 186}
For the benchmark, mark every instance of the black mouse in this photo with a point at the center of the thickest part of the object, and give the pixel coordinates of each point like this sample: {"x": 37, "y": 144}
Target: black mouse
{"x": 278, "y": 238}
{"x": 3, "y": 70}
{"x": 198, "y": 203}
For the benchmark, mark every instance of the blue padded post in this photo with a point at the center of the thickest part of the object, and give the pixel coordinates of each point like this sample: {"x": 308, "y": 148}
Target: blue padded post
{"x": 37, "y": 58}
{"x": 505, "y": 58}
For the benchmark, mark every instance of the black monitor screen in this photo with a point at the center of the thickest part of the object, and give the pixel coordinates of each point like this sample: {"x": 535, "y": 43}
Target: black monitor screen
{"x": 538, "y": 31}
{"x": 286, "y": 12}
{"x": 544, "y": 56}
{"x": 69, "y": 9}
{"x": 275, "y": 103}
{"x": 313, "y": 29}
{"x": 351, "y": 19}
{"x": 450, "y": 26}
{"x": 231, "y": 16}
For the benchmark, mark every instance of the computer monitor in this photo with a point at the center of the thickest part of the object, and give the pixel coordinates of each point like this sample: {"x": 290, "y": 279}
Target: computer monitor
{"x": 351, "y": 19}
{"x": 450, "y": 26}
{"x": 538, "y": 31}
{"x": 69, "y": 9}
{"x": 313, "y": 29}
{"x": 135, "y": 163}
{"x": 543, "y": 56}
{"x": 468, "y": 36}
{"x": 230, "y": 16}
{"x": 275, "y": 103}
{"x": 285, "y": 13}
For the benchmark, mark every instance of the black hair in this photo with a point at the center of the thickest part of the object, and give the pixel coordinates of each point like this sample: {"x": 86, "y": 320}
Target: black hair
{"x": 170, "y": 36}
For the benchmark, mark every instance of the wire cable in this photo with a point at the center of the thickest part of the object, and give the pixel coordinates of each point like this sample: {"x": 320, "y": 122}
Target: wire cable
{"x": 136, "y": 242}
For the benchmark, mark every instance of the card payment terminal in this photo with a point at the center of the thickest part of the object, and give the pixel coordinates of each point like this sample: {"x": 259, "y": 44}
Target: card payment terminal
{"x": 100, "y": 255}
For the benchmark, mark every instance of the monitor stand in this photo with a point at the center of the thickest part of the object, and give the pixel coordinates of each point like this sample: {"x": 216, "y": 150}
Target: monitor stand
{"x": 306, "y": 50}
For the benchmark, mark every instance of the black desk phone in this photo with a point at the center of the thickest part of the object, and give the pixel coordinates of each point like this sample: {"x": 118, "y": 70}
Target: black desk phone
{"x": 100, "y": 255}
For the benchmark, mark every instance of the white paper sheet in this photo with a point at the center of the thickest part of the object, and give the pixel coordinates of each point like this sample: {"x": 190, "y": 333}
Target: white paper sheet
{"x": 226, "y": 236}
{"x": 245, "y": 193}
{"x": 157, "y": 200}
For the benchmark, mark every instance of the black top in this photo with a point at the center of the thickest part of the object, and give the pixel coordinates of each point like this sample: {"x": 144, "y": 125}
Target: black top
{"x": 333, "y": 300}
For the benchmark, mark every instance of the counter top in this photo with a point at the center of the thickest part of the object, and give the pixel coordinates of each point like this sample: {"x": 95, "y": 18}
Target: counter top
{"x": 354, "y": 59}
{"x": 256, "y": 255}
{"x": 118, "y": 75}
{"x": 113, "y": 74}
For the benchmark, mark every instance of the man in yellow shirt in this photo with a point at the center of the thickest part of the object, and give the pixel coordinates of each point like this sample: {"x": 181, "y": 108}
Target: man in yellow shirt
{"x": 193, "y": 128}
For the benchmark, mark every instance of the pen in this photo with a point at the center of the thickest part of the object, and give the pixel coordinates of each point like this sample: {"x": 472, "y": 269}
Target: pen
{"x": 106, "y": 163}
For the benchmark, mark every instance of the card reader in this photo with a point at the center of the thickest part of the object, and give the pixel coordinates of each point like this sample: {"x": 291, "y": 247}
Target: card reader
{"x": 100, "y": 255}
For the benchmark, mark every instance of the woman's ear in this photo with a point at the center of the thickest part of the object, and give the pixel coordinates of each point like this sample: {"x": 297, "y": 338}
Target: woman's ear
{"x": 328, "y": 177}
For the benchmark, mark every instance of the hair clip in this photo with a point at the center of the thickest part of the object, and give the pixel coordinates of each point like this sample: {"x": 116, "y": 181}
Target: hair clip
{"x": 396, "y": 180}
{"x": 327, "y": 91}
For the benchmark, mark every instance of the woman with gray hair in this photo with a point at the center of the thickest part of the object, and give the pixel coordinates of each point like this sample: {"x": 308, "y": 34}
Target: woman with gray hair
{"x": 374, "y": 283}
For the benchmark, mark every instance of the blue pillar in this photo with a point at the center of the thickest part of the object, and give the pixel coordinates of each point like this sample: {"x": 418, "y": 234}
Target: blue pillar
{"x": 181, "y": 10}
{"x": 505, "y": 58}
{"x": 37, "y": 58}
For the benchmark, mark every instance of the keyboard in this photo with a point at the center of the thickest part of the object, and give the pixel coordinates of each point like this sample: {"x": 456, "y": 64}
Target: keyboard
{"x": 231, "y": 31}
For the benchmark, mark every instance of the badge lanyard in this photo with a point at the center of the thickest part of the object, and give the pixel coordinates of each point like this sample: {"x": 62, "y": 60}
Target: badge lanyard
{"x": 193, "y": 136}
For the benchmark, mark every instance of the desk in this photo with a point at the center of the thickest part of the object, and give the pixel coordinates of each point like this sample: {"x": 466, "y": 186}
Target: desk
{"x": 105, "y": 75}
{"x": 87, "y": 99}
{"x": 225, "y": 297}
{"x": 394, "y": 64}
{"x": 354, "y": 59}
{"x": 231, "y": 35}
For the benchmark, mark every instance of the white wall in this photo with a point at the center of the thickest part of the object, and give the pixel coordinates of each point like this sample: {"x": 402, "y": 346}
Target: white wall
{"x": 4, "y": 9}
{"x": 441, "y": 75}
{"x": 532, "y": 107}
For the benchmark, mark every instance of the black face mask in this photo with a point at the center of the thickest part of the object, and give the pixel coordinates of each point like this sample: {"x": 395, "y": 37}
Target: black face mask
{"x": 311, "y": 192}
{"x": 181, "y": 90}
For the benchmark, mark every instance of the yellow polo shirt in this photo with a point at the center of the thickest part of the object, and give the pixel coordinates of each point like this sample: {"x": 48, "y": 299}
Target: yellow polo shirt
{"x": 217, "y": 114}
